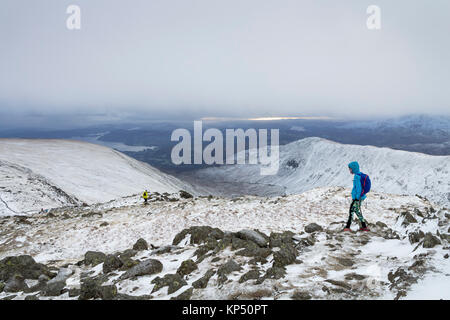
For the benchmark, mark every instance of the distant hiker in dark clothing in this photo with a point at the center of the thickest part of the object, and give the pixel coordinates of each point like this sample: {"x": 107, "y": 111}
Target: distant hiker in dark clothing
{"x": 145, "y": 196}
{"x": 361, "y": 185}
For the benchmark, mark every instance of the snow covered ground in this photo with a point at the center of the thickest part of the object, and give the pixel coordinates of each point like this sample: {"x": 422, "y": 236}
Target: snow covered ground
{"x": 337, "y": 265}
{"x": 37, "y": 174}
{"x": 316, "y": 162}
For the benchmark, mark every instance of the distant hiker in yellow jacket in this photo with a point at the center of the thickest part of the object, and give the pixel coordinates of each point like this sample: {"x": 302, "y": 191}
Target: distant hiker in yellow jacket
{"x": 145, "y": 196}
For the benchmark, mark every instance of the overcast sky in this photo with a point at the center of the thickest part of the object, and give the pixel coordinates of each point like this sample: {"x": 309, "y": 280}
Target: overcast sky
{"x": 174, "y": 58}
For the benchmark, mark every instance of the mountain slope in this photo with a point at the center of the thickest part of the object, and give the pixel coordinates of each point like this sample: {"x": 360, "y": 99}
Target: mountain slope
{"x": 37, "y": 174}
{"x": 405, "y": 254}
{"x": 316, "y": 162}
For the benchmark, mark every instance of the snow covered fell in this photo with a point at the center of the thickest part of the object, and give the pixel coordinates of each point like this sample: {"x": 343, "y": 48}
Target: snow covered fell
{"x": 314, "y": 162}
{"x": 37, "y": 174}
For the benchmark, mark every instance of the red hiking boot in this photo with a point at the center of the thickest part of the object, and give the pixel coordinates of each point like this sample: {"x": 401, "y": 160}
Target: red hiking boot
{"x": 364, "y": 229}
{"x": 347, "y": 229}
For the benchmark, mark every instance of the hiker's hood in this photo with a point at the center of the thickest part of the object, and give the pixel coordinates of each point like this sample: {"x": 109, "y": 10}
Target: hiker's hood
{"x": 354, "y": 166}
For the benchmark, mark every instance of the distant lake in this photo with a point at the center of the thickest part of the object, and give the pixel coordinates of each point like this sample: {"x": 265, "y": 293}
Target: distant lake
{"x": 114, "y": 145}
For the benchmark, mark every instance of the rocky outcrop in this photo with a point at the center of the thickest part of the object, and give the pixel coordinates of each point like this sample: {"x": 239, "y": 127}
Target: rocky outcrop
{"x": 24, "y": 266}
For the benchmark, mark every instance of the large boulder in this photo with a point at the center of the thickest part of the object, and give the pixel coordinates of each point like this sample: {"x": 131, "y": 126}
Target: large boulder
{"x": 140, "y": 245}
{"x": 199, "y": 234}
{"x": 94, "y": 258}
{"x": 313, "y": 227}
{"x": 147, "y": 267}
{"x": 254, "y": 236}
{"x": 22, "y": 265}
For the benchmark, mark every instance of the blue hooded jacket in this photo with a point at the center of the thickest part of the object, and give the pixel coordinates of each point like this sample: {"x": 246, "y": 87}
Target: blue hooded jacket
{"x": 357, "y": 188}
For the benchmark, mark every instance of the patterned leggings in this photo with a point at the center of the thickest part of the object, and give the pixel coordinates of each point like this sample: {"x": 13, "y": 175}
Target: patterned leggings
{"x": 355, "y": 207}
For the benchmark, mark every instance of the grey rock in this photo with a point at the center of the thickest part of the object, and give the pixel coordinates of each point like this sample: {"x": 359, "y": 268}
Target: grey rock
{"x": 23, "y": 265}
{"x": 340, "y": 284}
{"x": 354, "y": 276}
{"x": 277, "y": 239}
{"x": 301, "y": 295}
{"x": 199, "y": 234}
{"x": 140, "y": 245}
{"x": 273, "y": 273}
{"x": 165, "y": 249}
{"x": 122, "y": 296}
{"x": 254, "y": 252}
{"x": 254, "y": 236}
{"x": 54, "y": 288}
{"x": 203, "y": 281}
{"x": 108, "y": 292}
{"x": 313, "y": 227}
{"x": 187, "y": 267}
{"x": 185, "y": 194}
{"x": 381, "y": 224}
{"x": 172, "y": 281}
{"x": 63, "y": 275}
{"x": 408, "y": 218}
{"x": 126, "y": 259}
{"x": 94, "y": 258}
{"x": 91, "y": 288}
{"x": 147, "y": 267}
{"x": 286, "y": 255}
{"x": 74, "y": 292}
{"x": 111, "y": 263}
{"x": 416, "y": 236}
{"x": 345, "y": 261}
{"x": 430, "y": 241}
{"x": 250, "y": 275}
{"x": 228, "y": 267}
{"x": 186, "y": 295}
{"x": 15, "y": 284}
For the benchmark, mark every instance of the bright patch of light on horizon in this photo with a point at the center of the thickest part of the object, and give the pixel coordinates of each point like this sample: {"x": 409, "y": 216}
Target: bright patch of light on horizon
{"x": 264, "y": 118}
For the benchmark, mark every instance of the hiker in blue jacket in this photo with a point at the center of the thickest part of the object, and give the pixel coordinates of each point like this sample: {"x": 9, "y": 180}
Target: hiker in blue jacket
{"x": 357, "y": 198}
